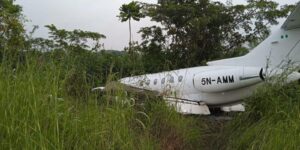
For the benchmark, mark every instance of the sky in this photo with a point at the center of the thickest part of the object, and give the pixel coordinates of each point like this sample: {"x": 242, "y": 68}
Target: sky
{"x": 90, "y": 15}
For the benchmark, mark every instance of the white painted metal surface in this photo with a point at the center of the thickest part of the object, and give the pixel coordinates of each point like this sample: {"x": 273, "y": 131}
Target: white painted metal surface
{"x": 227, "y": 79}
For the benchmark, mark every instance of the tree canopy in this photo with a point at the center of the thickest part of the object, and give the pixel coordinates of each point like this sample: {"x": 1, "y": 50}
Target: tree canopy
{"x": 79, "y": 39}
{"x": 192, "y": 32}
{"x": 12, "y": 33}
{"x": 128, "y": 12}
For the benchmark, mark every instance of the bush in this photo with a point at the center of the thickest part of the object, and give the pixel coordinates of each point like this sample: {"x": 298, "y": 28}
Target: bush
{"x": 272, "y": 120}
{"x": 75, "y": 84}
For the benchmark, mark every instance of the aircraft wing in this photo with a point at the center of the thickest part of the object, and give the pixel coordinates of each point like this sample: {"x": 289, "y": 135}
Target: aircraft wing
{"x": 117, "y": 86}
{"x": 293, "y": 20}
{"x": 188, "y": 107}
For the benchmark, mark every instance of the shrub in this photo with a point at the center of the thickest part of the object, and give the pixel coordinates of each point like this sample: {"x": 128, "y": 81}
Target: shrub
{"x": 75, "y": 84}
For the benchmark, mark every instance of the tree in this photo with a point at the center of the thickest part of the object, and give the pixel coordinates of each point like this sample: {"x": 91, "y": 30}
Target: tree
{"x": 12, "y": 33}
{"x": 73, "y": 40}
{"x": 201, "y": 30}
{"x": 128, "y": 12}
{"x": 151, "y": 49}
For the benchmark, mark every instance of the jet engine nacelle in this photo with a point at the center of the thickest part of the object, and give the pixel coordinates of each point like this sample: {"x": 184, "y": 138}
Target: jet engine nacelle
{"x": 227, "y": 79}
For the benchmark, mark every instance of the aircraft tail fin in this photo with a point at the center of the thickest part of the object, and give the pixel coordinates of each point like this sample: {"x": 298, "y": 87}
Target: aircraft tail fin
{"x": 282, "y": 47}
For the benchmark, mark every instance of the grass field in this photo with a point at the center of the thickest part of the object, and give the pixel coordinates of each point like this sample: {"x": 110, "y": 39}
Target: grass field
{"x": 43, "y": 106}
{"x": 37, "y": 113}
{"x": 272, "y": 120}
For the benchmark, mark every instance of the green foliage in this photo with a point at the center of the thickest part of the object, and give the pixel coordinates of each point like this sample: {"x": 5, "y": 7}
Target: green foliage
{"x": 36, "y": 113}
{"x": 75, "y": 84}
{"x": 82, "y": 50}
{"x": 75, "y": 40}
{"x": 151, "y": 49}
{"x": 45, "y": 97}
{"x": 128, "y": 12}
{"x": 173, "y": 130}
{"x": 12, "y": 37}
{"x": 271, "y": 120}
{"x": 201, "y": 30}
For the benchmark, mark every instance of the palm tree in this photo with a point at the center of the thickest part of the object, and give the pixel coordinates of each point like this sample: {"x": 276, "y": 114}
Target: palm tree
{"x": 128, "y": 12}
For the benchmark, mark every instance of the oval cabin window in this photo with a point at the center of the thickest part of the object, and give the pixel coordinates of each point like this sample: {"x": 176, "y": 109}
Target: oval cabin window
{"x": 180, "y": 78}
{"x": 171, "y": 79}
{"x": 155, "y": 82}
{"x": 163, "y": 81}
{"x": 148, "y": 82}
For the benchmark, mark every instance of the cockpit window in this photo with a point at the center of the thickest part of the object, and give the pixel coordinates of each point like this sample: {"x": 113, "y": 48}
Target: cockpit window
{"x": 180, "y": 78}
{"x": 155, "y": 82}
{"x": 163, "y": 81}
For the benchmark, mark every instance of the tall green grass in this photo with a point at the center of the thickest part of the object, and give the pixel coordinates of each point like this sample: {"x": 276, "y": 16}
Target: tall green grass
{"x": 272, "y": 120}
{"x": 37, "y": 113}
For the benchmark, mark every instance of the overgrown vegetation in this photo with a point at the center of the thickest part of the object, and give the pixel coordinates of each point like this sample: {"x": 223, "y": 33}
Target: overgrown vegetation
{"x": 271, "y": 120}
{"x": 193, "y": 32}
{"x": 38, "y": 113}
{"x": 45, "y": 84}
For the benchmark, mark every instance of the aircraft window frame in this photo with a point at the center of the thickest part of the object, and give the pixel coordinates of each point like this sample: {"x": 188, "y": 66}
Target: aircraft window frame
{"x": 148, "y": 82}
{"x": 180, "y": 78}
{"x": 141, "y": 83}
{"x": 163, "y": 80}
{"x": 171, "y": 79}
{"x": 155, "y": 82}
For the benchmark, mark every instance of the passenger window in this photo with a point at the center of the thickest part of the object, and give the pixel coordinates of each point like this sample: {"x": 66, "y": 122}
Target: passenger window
{"x": 163, "y": 81}
{"x": 148, "y": 82}
{"x": 155, "y": 82}
{"x": 141, "y": 83}
{"x": 180, "y": 78}
{"x": 171, "y": 79}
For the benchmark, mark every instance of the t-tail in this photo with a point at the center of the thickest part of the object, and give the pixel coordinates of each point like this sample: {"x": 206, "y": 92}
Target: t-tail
{"x": 279, "y": 50}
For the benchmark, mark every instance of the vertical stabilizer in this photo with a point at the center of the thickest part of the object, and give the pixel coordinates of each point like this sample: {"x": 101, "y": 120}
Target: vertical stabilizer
{"x": 281, "y": 48}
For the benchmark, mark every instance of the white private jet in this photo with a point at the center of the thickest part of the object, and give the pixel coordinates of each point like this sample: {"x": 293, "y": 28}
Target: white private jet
{"x": 225, "y": 83}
